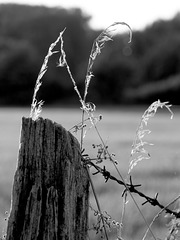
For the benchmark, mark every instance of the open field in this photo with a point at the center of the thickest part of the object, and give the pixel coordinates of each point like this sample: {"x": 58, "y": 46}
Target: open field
{"x": 159, "y": 174}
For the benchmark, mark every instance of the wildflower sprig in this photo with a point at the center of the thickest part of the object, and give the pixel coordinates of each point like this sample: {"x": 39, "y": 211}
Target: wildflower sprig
{"x": 108, "y": 220}
{"x": 138, "y": 152}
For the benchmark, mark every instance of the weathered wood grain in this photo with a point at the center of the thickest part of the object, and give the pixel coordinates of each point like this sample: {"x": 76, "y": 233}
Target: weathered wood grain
{"x": 51, "y": 186}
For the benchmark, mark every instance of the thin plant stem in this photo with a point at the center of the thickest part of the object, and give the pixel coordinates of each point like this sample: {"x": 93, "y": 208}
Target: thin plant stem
{"x": 82, "y": 130}
{"x": 122, "y": 216}
{"x": 97, "y": 203}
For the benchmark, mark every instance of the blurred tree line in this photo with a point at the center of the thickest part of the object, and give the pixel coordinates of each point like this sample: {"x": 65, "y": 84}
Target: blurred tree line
{"x": 143, "y": 71}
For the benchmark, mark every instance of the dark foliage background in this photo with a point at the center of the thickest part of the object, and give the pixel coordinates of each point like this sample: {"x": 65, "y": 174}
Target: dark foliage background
{"x": 141, "y": 72}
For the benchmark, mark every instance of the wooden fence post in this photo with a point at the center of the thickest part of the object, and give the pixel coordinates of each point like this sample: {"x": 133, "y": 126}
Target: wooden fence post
{"x": 51, "y": 186}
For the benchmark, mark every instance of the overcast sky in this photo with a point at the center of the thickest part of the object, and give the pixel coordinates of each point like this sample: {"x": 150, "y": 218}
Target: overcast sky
{"x": 137, "y": 13}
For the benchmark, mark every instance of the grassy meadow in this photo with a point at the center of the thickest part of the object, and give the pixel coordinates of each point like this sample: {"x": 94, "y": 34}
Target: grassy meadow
{"x": 159, "y": 174}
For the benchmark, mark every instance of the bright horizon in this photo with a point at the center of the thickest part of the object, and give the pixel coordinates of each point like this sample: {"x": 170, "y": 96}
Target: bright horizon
{"x": 138, "y": 14}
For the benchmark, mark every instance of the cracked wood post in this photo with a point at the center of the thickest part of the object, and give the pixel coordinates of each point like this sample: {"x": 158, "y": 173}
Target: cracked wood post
{"x": 51, "y": 186}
